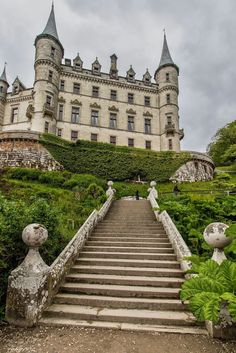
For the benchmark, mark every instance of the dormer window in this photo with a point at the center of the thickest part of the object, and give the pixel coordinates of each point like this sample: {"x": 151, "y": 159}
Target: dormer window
{"x": 147, "y": 78}
{"x": 78, "y": 63}
{"x": 130, "y": 75}
{"x": 53, "y": 51}
{"x": 96, "y": 67}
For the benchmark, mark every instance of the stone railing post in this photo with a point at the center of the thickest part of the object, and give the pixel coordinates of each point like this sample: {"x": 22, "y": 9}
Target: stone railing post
{"x": 26, "y": 293}
{"x": 152, "y": 190}
{"x": 214, "y": 235}
{"x": 110, "y": 191}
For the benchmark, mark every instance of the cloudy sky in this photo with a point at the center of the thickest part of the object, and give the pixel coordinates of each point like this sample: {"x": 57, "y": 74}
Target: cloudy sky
{"x": 201, "y": 36}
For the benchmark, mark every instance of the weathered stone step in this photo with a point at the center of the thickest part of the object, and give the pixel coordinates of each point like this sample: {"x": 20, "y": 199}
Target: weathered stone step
{"x": 128, "y": 271}
{"x": 132, "y": 223}
{"x": 120, "y": 302}
{"x": 121, "y": 290}
{"x": 134, "y": 228}
{"x": 167, "y": 282}
{"x": 54, "y": 321}
{"x": 121, "y": 315}
{"x": 128, "y": 249}
{"x": 129, "y": 232}
{"x": 129, "y": 244}
{"x": 125, "y": 255}
{"x": 128, "y": 262}
{"x": 124, "y": 239}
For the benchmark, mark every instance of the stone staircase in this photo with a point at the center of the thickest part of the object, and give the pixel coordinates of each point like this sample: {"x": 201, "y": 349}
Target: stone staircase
{"x": 126, "y": 277}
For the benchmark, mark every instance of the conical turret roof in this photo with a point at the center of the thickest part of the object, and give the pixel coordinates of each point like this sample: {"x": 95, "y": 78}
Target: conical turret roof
{"x": 51, "y": 27}
{"x": 166, "y": 59}
{"x": 3, "y": 76}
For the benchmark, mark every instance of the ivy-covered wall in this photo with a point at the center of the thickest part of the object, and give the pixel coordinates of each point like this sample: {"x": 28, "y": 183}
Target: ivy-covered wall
{"x": 114, "y": 162}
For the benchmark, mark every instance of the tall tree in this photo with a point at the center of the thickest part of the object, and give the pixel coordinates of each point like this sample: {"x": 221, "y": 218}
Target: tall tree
{"x": 223, "y": 146}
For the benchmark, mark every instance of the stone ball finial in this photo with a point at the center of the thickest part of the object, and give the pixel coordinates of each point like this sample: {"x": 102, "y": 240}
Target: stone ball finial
{"x": 34, "y": 235}
{"x": 153, "y": 183}
{"x": 110, "y": 183}
{"x": 214, "y": 235}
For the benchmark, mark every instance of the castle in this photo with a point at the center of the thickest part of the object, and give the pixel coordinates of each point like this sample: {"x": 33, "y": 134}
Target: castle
{"x": 77, "y": 103}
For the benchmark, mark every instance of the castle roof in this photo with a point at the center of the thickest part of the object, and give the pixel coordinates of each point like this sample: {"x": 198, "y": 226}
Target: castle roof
{"x": 166, "y": 59}
{"x": 3, "y": 76}
{"x": 51, "y": 28}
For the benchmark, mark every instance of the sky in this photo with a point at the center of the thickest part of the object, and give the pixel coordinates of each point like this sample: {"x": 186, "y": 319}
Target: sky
{"x": 201, "y": 35}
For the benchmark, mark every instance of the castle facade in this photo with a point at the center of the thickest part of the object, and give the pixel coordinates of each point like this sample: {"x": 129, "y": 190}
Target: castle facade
{"x": 78, "y": 103}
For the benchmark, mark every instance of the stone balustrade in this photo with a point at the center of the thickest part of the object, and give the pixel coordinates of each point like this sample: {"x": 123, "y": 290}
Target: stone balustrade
{"x": 33, "y": 284}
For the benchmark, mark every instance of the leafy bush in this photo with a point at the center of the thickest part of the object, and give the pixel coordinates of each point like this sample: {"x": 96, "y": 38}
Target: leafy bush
{"x": 23, "y": 173}
{"x": 114, "y": 162}
{"x": 52, "y": 178}
{"x": 211, "y": 291}
{"x": 83, "y": 181}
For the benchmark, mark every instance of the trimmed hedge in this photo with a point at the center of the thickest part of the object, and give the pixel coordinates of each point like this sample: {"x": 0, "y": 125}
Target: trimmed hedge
{"x": 114, "y": 162}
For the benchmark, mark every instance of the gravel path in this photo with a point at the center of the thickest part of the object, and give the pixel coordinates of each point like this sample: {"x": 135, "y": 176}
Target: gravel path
{"x": 88, "y": 340}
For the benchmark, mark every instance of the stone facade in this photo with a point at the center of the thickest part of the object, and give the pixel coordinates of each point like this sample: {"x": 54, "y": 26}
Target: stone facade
{"x": 78, "y": 103}
{"x": 201, "y": 168}
{"x": 22, "y": 149}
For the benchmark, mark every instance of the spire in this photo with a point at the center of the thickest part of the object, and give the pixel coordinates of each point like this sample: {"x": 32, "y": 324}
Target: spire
{"x": 51, "y": 28}
{"x": 3, "y": 76}
{"x": 166, "y": 58}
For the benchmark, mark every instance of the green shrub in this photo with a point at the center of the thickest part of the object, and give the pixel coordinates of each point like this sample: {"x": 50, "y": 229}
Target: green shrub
{"x": 208, "y": 292}
{"x": 83, "y": 181}
{"x": 52, "y": 178}
{"x": 115, "y": 162}
{"x": 24, "y": 173}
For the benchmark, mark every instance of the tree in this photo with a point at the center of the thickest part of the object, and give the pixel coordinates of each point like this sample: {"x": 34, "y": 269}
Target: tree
{"x": 222, "y": 148}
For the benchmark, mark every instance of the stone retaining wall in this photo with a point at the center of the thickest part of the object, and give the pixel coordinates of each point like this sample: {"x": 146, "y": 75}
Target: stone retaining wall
{"x": 22, "y": 149}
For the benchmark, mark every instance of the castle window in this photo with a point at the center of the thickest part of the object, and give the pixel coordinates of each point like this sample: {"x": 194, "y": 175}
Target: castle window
{"x": 59, "y": 132}
{"x": 130, "y": 123}
{"x": 60, "y": 112}
{"x": 170, "y": 144}
{"x": 50, "y": 75}
{"x": 76, "y": 88}
{"x": 94, "y": 137}
{"x": 62, "y": 85}
{"x": 94, "y": 117}
{"x": 167, "y": 77}
{"x": 1, "y": 89}
{"x": 95, "y": 91}
{"x": 113, "y": 95}
{"x": 48, "y": 101}
{"x": 131, "y": 142}
{"x": 169, "y": 120}
{"x": 113, "y": 121}
{"x": 74, "y": 135}
{"x": 168, "y": 98}
{"x": 14, "y": 114}
{"x": 148, "y": 145}
{"x": 147, "y": 101}
{"x": 53, "y": 50}
{"x": 130, "y": 98}
{"x": 113, "y": 140}
{"x": 75, "y": 115}
{"x": 147, "y": 126}
{"x": 46, "y": 127}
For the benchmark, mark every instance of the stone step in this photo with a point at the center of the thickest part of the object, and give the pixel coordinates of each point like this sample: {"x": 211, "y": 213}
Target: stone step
{"x": 152, "y": 240}
{"x": 127, "y": 233}
{"x": 61, "y": 322}
{"x": 128, "y": 249}
{"x": 121, "y": 315}
{"x": 128, "y": 262}
{"x": 120, "y": 290}
{"x": 167, "y": 282}
{"x": 119, "y": 302}
{"x": 127, "y": 244}
{"x": 132, "y": 223}
{"x": 128, "y": 271}
{"x": 125, "y": 255}
{"x": 141, "y": 228}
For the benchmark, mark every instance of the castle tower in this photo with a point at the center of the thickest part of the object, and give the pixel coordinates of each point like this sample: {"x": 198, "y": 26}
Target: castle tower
{"x": 166, "y": 77}
{"x": 3, "y": 94}
{"x": 48, "y": 58}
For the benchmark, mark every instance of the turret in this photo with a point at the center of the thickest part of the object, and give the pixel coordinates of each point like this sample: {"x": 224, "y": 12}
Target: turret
{"x": 166, "y": 77}
{"x": 48, "y": 58}
{"x": 3, "y": 94}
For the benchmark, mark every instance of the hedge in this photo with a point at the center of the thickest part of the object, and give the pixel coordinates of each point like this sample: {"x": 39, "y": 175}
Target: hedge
{"x": 114, "y": 162}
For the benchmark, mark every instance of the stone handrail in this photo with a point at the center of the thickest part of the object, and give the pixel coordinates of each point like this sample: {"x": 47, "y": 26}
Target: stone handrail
{"x": 33, "y": 284}
{"x": 178, "y": 243}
